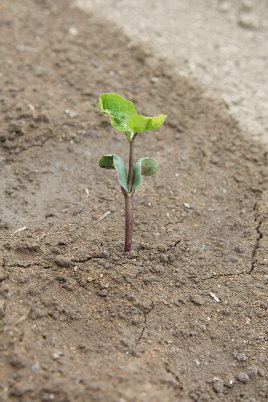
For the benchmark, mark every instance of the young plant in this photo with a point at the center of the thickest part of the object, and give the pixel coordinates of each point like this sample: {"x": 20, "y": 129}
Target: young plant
{"x": 124, "y": 118}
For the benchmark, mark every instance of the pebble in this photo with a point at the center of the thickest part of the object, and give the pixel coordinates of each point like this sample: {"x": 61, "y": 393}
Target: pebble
{"x": 64, "y": 262}
{"x": 163, "y": 258}
{"x": 73, "y": 31}
{"x": 70, "y": 113}
{"x": 36, "y": 367}
{"x": 243, "y": 377}
{"x": 156, "y": 269}
{"x": 55, "y": 356}
{"x": 218, "y": 386}
{"x": 70, "y": 284}
{"x": 150, "y": 279}
{"x": 252, "y": 371}
{"x": 240, "y": 357}
{"x": 186, "y": 205}
{"x": 16, "y": 360}
{"x": 198, "y": 300}
{"x": 8, "y": 144}
{"x": 103, "y": 293}
{"x": 55, "y": 250}
{"x": 238, "y": 249}
{"x": 37, "y": 313}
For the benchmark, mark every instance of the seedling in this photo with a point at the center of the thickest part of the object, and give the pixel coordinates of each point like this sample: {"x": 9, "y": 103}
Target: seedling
{"x": 124, "y": 118}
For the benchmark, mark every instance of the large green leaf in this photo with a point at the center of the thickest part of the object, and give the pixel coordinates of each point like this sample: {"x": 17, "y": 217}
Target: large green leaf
{"x": 118, "y": 108}
{"x": 143, "y": 167}
{"x": 113, "y": 161}
{"x": 138, "y": 123}
{"x": 124, "y": 116}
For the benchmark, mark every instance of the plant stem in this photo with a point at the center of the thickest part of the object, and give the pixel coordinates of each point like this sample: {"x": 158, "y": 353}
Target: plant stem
{"x": 129, "y": 200}
{"x": 130, "y": 165}
{"x": 128, "y": 221}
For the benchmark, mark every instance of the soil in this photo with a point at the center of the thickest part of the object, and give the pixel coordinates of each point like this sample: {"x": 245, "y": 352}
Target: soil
{"x": 222, "y": 44}
{"x": 183, "y": 317}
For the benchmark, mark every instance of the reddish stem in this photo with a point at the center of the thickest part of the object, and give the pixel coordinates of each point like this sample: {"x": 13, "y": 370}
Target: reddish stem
{"x": 129, "y": 199}
{"x": 128, "y": 220}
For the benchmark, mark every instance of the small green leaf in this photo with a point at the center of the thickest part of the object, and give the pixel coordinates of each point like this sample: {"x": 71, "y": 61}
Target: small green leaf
{"x": 143, "y": 167}
{"x": 138, "y": 123}
{"x": 124, "y": 116}
{"x": 118, "y": 108}
{"x": 112, "y": 161}
{"x": 107, "y": 162}
{"x": 149, "y": 166}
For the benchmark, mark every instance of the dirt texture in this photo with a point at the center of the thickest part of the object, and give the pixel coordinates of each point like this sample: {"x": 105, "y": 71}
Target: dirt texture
{"x": 223, "y": 44}
{"x": 183, "y": 317}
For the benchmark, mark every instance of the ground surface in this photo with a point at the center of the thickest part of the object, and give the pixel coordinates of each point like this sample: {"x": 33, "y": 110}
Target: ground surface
{"x": 184, "y": 316}
{"x": 223, "y": 44}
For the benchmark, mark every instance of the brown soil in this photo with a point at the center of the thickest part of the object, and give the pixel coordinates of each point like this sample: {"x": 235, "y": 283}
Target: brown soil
{"x": 184, "y": 316}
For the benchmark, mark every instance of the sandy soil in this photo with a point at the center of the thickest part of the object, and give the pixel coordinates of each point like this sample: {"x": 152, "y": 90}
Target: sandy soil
{"x": 183, "y": 317}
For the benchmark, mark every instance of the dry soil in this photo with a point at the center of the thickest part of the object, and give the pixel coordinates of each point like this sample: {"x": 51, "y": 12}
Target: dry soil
{"x": 183, "y": 317}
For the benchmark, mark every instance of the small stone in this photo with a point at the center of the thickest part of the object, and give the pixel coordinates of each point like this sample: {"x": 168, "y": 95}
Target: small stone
{"x": 55, "y": 356}
{"x": 156, "y": 270}
{"x": 8, "y": 144}
{"x": 252, "y": 371}
{"x": 186, "y": 205}
{"x": 55, "y": 250}
{"x": 70, "y": 113}
{"x": 64, "y": 262}
{"x": 95, "y": 64}
{"x": 230, "y": 383}
{"x": 240, "y": 357}
{"x": 73, "y": 31}
{"x": 136, "y": 321}
{"x": 37, "y": 313}
{"x": 163, "y": 258}
{"x": 243, "y": 377}
{"x": 197, "y": 299}
{"x": 36, "y": 367}
{"x": 146, "y": 305}
{"x": 103, "y": 293}
{"x": 130, "y": 297}
{"x": 238, "y": 250}
{"x": 70, "y": 284}
{"x": 16, "y": 360}
{"x": 150, "y": 279}
{"x": 218, "y": 386}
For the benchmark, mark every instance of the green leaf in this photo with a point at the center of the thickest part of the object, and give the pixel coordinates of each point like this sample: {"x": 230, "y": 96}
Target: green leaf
{"x": 113, "y": 161}
{"x": 118, "y": 108}
{"x": 124, "y": 116}
{"x": 143, "y": 167}
{"x": 107, "y": 162}
{"x": 138, "y": 123}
